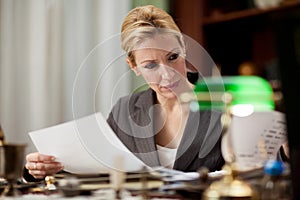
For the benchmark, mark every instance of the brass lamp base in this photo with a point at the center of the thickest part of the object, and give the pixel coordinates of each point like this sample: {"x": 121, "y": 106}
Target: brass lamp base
{"x": 10, "y": 190}
{"x": 229, "y": 187}
{"x": 11, "y": 166}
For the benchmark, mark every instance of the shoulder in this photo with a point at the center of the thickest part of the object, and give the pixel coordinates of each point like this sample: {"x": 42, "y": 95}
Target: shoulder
{"x": 131, "y": 104}
{"x": 136, "y": 99}
{"x": 129, "y": 111}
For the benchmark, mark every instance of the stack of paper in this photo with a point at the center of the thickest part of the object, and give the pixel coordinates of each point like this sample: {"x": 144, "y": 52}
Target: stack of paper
{"x": 255, "y": 138}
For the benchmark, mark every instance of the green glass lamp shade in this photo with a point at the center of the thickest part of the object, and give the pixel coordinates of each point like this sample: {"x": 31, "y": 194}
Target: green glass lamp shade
{"x": 243, "y": 90}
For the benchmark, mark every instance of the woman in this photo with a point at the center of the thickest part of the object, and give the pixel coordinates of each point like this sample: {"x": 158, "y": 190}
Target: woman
{"x": 153, "y": 124}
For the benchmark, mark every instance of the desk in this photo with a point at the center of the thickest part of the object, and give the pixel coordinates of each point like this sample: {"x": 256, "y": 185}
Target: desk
{"x": 103, "y": 191}
{"x": 157, "y": 189}
{"x": 102, "y": 195}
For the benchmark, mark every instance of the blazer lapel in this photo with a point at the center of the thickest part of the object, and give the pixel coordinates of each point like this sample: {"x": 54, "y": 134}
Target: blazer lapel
{"x": 143, "y": 129}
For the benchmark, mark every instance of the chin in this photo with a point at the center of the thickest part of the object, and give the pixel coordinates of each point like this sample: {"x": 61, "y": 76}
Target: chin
{"x": 169, "y": 95}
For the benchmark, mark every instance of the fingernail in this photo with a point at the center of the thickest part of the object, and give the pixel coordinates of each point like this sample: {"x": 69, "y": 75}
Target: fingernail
{"x": 52, "y": 158}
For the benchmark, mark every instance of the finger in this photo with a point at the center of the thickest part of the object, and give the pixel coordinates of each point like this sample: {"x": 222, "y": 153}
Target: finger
{"x": 31, "y": 165}
{"x": 48, "y": 166}
{"x": 44, "y": 166}
{"x": 37, "y": 157}
{"x": 38, "y": 177}
{"x": 38, "y": 174}
{"x": 42, "y": 174}
{"x": 53, "y": 166}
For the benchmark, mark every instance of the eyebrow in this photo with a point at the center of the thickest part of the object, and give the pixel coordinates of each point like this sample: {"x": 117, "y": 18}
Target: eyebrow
{"x": 169, "y": 52}
{"x": 172, "y": 51}
{"x": 145, "y": 61}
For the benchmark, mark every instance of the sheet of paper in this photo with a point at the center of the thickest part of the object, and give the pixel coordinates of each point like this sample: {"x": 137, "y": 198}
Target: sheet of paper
{"x": 256, "y": 138}
{"x": 86, "y": 146}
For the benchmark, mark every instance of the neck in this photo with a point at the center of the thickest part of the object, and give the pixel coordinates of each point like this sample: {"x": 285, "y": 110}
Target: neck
{"x": 172, "y": 105}
{"x": 168, "y": 104}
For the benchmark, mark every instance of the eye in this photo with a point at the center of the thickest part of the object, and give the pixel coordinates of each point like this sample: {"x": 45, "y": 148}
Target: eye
{"x": 151, "y": 65}
{"x": 174, "y": 56}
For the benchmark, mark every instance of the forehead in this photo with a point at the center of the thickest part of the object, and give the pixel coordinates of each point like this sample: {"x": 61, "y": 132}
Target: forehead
{"x": 164, "y": 42}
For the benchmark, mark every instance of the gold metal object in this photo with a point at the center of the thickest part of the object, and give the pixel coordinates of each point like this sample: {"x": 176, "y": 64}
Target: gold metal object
{"x": 11, "y": 166}
{"x": 50, "y": 179}
{"x": 223, "y": 94}
{"x": 50, "y": 183}
{"x": 229, "y": 187}
{"x": 144, "y": 179}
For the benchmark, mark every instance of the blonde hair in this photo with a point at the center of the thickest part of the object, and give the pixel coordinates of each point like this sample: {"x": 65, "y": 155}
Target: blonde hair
{"x": 144, "y": 22}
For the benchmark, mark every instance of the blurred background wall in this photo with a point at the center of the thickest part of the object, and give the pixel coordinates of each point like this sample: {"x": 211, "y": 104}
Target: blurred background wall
{"x": 59, "y": 60}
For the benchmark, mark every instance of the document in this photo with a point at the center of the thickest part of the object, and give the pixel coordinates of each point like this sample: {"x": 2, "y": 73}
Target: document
{"x": 86, "y": 146}
{"x": 255, "y": 138}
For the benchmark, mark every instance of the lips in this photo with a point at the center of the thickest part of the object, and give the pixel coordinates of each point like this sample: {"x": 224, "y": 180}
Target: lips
{"x": 171, "y": 86}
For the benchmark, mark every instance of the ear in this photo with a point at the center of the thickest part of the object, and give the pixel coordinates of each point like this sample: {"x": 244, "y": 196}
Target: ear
{"x": 133, "y": 67}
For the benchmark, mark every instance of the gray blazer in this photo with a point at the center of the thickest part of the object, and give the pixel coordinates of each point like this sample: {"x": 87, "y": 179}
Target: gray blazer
{"x": 132, "y": 120}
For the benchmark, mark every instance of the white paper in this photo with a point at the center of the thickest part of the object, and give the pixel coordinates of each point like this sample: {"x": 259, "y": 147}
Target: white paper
{"x": 86, "y": 146}
{"x": 256, "y": 138}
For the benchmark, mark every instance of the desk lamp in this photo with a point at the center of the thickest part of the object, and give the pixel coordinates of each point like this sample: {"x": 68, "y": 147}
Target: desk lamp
{"x": 233, "y": 95}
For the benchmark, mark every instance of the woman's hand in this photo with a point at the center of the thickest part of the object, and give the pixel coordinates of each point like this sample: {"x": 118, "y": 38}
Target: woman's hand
{"x": 40, "y": 166}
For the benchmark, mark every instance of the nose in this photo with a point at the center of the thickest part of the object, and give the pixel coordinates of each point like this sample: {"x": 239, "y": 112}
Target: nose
{"x": 166, "y": 72}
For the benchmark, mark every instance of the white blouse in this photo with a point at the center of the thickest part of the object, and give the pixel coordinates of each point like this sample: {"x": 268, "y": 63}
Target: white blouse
{"x": 166, "y": 156}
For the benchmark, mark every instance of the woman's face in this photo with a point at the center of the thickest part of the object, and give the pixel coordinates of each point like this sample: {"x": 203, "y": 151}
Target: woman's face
{"x": 160, "y": 60}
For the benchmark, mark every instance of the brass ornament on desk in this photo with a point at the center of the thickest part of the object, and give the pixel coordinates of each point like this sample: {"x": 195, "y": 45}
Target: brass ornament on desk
{"x": 11, "y": 166}
{"x": 50, "y": 183}
{"x": 229, "y": 187}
